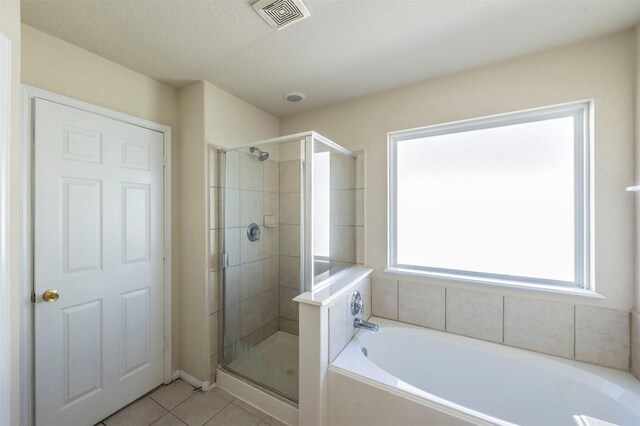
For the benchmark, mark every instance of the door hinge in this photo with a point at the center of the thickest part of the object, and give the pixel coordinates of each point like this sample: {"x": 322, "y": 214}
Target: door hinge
{"x": 164, "y": 160}
{"x": 33, "y": 297}
{"x": 225, "y": 260}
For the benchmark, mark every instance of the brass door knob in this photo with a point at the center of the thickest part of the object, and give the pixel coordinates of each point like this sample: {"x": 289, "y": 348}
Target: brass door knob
{"x": 50, "y": 295}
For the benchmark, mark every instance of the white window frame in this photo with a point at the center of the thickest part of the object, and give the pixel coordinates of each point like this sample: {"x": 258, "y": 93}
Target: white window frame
{"x": 583, "y": 113}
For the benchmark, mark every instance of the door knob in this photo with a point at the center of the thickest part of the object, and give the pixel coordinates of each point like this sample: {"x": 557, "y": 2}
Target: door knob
{"x": 50, "y": 295}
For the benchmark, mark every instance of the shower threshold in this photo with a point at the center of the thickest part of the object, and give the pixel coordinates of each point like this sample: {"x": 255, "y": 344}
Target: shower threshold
{"x": 273, "y": 363}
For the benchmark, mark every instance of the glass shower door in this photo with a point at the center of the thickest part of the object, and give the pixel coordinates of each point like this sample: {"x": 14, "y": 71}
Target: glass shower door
{"x": 261, "y": 274}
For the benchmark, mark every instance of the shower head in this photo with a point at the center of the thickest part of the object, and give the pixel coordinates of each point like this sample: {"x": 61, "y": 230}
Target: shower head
{"x": 262, "y": 155}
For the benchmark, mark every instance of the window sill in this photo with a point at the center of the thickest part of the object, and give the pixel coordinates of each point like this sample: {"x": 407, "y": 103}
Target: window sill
{"x": 485, "y": 284}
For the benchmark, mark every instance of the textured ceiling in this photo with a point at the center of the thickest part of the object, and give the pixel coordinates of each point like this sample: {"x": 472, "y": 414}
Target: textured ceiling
{"x": 346, "y": 49}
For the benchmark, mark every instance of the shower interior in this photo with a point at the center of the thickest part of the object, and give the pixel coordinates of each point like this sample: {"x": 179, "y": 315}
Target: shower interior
{"x": 299, "y": 192}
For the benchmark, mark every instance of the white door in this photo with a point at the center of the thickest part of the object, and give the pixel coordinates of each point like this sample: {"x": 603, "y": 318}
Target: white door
{"x": 98, "y": 242}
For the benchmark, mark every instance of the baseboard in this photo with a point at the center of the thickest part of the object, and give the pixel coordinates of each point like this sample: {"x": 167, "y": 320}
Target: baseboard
{"x": 192, "y": 380}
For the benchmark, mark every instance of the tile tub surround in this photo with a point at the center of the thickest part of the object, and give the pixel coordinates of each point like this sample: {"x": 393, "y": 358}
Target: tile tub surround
{"x": 589, "y": 334}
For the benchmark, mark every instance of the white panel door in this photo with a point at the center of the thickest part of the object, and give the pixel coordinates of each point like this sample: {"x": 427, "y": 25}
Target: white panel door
{"x": 98, "y": 241}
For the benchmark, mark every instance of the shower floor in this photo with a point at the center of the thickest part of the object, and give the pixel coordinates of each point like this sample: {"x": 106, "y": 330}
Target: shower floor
{"x": 272, "y": 363}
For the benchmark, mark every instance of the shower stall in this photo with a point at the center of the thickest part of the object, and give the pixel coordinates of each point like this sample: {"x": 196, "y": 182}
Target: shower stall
{"x": 289, "y": 213}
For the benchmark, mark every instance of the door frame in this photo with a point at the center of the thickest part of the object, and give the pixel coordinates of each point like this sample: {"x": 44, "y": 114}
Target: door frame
{"x": 27, "y": 332}
{"x": 5, "y": 281}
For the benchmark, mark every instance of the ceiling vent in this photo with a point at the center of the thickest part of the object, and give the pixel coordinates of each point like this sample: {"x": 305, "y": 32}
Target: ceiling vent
{"x": 281, "y": 13}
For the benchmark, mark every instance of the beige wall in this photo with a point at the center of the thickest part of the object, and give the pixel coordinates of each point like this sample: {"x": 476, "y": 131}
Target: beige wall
{"x": 602, "y": 69}
{"x": 10, "y": 27}
{"x": 208, "y": 116}
{"x": 192, "y": 196}
{"x": 55, "y": 65}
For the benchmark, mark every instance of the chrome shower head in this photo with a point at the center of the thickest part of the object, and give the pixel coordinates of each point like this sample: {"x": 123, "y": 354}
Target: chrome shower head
{"x": 262, "y": 155}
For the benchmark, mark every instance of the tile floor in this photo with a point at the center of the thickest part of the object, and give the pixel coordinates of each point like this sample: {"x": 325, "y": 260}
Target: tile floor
{"x": 180, "y": 404}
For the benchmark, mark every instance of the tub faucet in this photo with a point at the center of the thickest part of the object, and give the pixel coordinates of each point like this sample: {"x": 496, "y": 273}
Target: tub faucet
{"x": 360, "y": 323}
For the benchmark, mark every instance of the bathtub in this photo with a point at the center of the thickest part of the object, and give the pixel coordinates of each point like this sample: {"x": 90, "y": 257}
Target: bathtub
{"x": 413, "y": 375}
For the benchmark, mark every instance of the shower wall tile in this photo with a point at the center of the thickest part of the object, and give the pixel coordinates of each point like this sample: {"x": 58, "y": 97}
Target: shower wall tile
{"x": 360, "y": 166}
{"x": 343, "y": 173}
{"x": 271, "y": 241}
{"x": 360, "y": 207}
{"x": 250, "y": 315}
{"x": 233, "y": 285}
{"x": 341, "y": 328}
{"x": 271, "y": 176}
{"x": 213, "y": 337}
{"x": 250, "y": 251}
{"x": 289, "y": 326}
{"x": 214, "y": 250}
{"x": 290, "y": 240}
{"x": 214, "y": 167}
{"x": 233, "y": 208}
{"x": 635, "y": 344}
{"x": 421, "y": 304}
{"x": 233, "y": 246}
{"x": 288, "y": 308}
{"x": 360, "y": 245}
{"x": 602, "y": 336}
{"x": 343, "y": 207}
{"x": 539, "y": 325}
{"x": 233, "y": 170}
{"x": 290, "y": 176}
{"x": 474, "y": 314}
{"x": 214, "y": 202}
{"x": 251, "y": 172}
{"x": 364, "y": 287}
{"x": 270, "y": 303}
{"x": 271, "y": 273}
{"x": 214, "y": 291}
{"x": 338, "y": 331}
{"x": 343, "y": 244}
{"x": 384, "y": 298}
{"x": 251, "y": 208}
{"x": 251, "y": 279}
{"x": 290, "y": 272}
{"x": 232, "y": 323}
{"x": 290, "y": 208}
{"x": 271, "y": 328}
{"x": 272, "y": 205}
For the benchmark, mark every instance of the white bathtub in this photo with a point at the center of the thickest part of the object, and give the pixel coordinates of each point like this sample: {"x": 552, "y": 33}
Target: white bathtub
{"x": 466, "y": 380}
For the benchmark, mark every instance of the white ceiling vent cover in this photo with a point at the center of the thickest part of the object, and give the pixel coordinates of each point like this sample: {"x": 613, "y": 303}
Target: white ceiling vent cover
{"x": 281, "y": 13}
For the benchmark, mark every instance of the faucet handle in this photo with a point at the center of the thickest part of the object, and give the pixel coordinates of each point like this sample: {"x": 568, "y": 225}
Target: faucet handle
{"x": 357, "y": 305}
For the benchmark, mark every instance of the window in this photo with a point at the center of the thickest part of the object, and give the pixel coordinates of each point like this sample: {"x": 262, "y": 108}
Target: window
{"x": 500, "y": 200}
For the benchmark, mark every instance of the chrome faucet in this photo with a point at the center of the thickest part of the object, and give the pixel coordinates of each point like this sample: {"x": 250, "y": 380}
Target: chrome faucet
{"x": 357, "y": 307}
{"x": 360, "y": 323}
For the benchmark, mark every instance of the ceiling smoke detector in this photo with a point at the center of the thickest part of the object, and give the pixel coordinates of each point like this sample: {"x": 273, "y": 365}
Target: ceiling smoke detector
{"x": 281, "y": 13}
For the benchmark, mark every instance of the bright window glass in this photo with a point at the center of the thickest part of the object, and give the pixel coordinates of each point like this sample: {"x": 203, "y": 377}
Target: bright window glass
{"x": 501, "y": 198}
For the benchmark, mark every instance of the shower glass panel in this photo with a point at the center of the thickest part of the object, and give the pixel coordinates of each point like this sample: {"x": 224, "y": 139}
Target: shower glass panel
{"x": 267, "y": 188}
{"x": 334, "y": 211}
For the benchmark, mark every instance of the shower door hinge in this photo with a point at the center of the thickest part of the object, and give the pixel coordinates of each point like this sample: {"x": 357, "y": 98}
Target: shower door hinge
{"x": 225, "y": 260}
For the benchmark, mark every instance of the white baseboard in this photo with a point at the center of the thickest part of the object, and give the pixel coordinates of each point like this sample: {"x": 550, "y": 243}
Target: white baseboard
{"x": 192, "y": 380}
{"x": 276, "y": 408}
